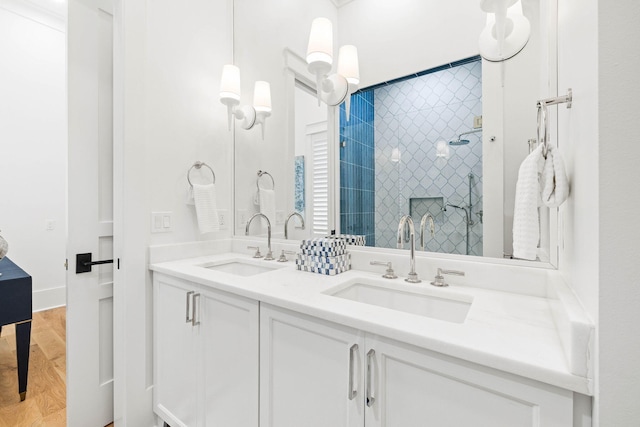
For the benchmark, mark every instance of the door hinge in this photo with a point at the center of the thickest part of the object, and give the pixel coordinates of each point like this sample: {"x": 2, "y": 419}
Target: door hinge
{"x": 66, "y": 264}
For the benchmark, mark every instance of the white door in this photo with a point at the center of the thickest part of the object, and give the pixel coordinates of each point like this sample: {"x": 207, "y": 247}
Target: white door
{"x": 90, "y": 210}
{"x": 310, "y": 372}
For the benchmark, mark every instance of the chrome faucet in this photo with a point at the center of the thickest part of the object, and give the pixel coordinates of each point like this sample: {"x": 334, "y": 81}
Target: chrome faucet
{"x": 269, "y": 256}
{"x": 404, "y": 221}
{"x": 423, "y": 223}
{"x": 286, "y": 223}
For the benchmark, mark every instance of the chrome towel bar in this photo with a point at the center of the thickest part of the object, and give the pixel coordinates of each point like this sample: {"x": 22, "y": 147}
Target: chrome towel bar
{"x": 542, "y": 117}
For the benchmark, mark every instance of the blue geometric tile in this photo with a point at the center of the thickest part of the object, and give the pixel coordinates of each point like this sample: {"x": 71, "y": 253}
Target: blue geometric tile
{"x": 413, "y": 115}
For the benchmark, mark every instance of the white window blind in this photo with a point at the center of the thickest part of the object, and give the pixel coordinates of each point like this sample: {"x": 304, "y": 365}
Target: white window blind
{"x": 320, "y": 149}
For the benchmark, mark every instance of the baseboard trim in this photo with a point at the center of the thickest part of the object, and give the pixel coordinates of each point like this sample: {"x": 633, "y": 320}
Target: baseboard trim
{"x": 49, "y": 298}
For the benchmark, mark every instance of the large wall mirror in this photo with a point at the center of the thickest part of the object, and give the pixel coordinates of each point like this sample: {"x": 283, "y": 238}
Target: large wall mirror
{"x": 433, "y": 129}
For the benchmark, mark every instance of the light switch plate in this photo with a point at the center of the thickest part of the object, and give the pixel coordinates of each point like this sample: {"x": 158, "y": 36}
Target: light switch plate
{"x": 242, "y": 216}
{"x": 223, "y": 219}
{"x": 161, "y": 222}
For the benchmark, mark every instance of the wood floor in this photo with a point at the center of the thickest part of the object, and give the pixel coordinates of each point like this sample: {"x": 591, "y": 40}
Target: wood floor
{"x": 45, "y": 404}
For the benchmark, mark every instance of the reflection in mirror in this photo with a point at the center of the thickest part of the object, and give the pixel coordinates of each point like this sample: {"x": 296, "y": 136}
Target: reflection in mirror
{"x": 311, "y": 144}
{"x": 403, "y": 152}
{"x": 433, "y": 130}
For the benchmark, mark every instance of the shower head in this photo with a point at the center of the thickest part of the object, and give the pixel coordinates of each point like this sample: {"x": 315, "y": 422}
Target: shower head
{"x": 459, "y": 142}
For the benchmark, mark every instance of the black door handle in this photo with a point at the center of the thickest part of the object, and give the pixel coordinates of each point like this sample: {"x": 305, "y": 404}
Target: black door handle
{"x": 84, "y": 263}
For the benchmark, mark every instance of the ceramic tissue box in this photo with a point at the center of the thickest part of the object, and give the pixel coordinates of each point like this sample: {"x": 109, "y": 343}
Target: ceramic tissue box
{"x": 326, "y": 256}
{"x": 352, "y": 239}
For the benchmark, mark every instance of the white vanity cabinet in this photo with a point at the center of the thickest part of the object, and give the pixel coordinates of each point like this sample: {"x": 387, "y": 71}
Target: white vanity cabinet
{"x": 414, "y": 387}
{"x": 206, "y": 352}
{"x": 309, "y": 371}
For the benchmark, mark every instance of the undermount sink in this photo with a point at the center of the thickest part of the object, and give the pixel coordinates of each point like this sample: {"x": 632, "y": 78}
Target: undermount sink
{"x": 241, "y": 267}
{"x": 450, "y": 308}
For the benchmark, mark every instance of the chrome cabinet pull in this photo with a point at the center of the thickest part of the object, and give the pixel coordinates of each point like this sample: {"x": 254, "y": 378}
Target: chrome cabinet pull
{"x": 195, "y": 307}
{"x": 353, "y": 392}
{"x": 189, "y": 305}
{"x": 370, "y": 397}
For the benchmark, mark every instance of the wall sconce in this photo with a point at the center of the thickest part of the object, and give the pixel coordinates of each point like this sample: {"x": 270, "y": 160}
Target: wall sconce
{"x": 248, "y": 115}
{"x": 507, "y": 31}
{"x": 336, "y": 88}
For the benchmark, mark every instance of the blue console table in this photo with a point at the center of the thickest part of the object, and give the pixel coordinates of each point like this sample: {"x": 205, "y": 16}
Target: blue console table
{"x": 15, "y": 307}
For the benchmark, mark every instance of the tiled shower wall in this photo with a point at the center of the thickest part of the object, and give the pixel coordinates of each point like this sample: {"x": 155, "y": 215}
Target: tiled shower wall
{"x": 357, "y": 168}
{"x": 413, "y": 115}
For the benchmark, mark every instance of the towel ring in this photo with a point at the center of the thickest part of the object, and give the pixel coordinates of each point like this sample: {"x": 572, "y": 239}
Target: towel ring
{"x": 260, "y": 175}
{"x": 542, "y": 114}
{"x": 199, "y": 165}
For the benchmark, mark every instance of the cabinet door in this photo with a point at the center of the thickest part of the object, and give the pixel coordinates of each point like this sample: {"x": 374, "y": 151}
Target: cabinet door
{"x": 229, "y": 359}
{"x": 310, "y": 372}
{"x": 175, "y": 370}
{"x": 414, "y": 387}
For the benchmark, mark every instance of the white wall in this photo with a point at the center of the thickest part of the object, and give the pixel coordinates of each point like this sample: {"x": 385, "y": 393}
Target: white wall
{"x": 599, "y": 254}
{"x": 619, "y": 202}
{"x": 401, "y": 37}
{"x": 33, "y": 141}
{"x": 578, "y": 130}
{"x": 168, "y": 66}
{"x": 186, "y": 49}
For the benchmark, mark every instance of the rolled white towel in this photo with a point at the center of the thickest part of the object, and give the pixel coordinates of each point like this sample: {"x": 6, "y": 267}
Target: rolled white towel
{"x": 526, "y": 224}
{"x": 204, "y": 197}
{"x": 554, "y": 181}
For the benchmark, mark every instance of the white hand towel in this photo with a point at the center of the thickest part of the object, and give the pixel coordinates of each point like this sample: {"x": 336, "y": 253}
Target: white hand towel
{"x": 206, "y": 207}
{"x": 526, "y": 225}
{"x": 268, "y": 204}
{"x": 554, "y": 181}
{"x": 189, "y": 200}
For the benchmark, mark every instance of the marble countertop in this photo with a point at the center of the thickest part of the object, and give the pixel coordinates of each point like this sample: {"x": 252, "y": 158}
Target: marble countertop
{"x": 510, "y": 332}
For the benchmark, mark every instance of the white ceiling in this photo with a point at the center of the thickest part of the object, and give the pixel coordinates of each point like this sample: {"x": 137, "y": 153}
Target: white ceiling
{"x": 340, "y": 3}
{"x": 55, "y": 7}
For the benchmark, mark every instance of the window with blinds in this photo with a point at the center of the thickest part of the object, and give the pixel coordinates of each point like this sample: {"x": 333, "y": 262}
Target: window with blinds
{"x": 320, "y": 200}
